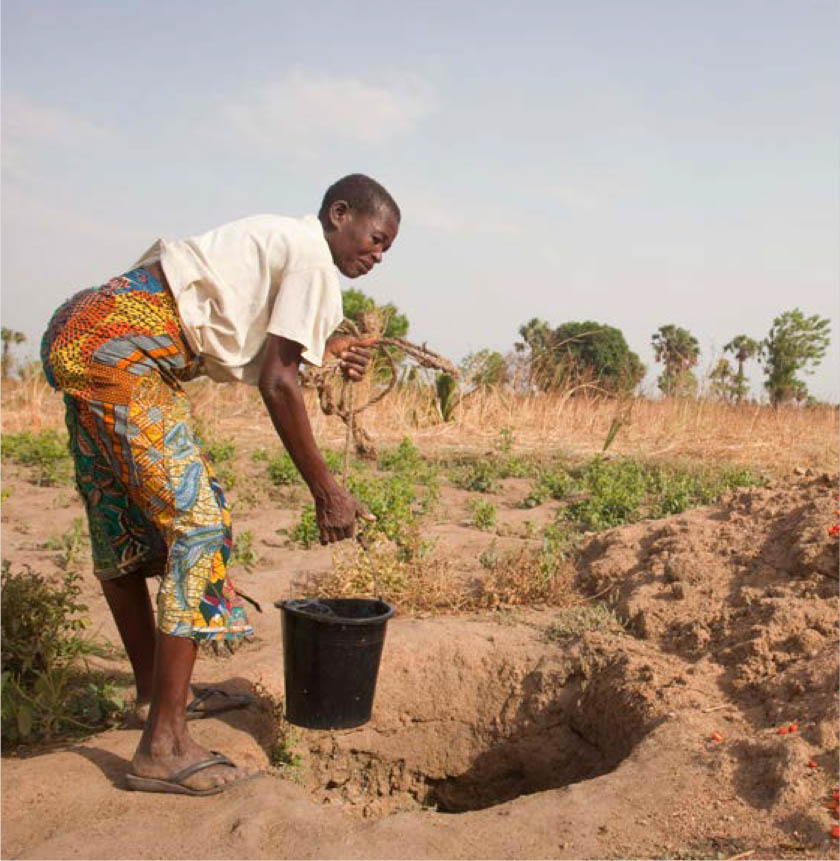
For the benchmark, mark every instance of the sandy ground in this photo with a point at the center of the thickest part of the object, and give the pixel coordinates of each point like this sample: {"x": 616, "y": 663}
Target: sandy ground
{"x": 489, "y": 738}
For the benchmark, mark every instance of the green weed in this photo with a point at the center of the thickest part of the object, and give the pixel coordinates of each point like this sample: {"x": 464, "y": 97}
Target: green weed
{"x": 305, "y": 531}
{"x": 243, "y": 553}
{"x": 623, "y": 491}
{"x": 69, "y": 544}
{"x": 574, "y": 621}
{"x": 550, "y": 484}
{"x": 281, "y": 753}
{"x": 483, "y": 514}
{"x": 46, "y": 452}
{"x": 406, "y": 460}
{"x": 477, "y": 475}
{"x": 48, "y": 689}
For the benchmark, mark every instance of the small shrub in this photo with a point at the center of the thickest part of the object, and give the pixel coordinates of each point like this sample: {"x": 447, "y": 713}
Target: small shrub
{"x": 406, "y": 460}
{"x": 243, "y": 553}
{"x": 48, "y": 689}
{"x": 69, "y": 545}
{"x": 390, "y": 499}
{"x": 574, "y": 621}
{"x": 220, "y": 451}
{"x": 550, "y": 484}
{"x": 479, "y": 476}
{"x": 489, "y": 557}
{"x": 46, "y": 452}
{"x": 616, "y": 490}
{"x": 483, "y": 514}
{"x": 281, "y": 753}
{"x": 305, "y": 532}
{"x": 413, "y": 584}
{"x": 282, "y": 470}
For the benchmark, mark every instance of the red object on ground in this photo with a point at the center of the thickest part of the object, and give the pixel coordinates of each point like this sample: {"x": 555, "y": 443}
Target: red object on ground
{"x": 793, "y": 727}
{"x": 835, "y": 831}
{"x": 716, "y": 736}
{"x": 811, "y": 763}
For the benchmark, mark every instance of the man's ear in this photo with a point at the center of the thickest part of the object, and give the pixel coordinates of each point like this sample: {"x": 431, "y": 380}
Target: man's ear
{"x": 339, "y": 212}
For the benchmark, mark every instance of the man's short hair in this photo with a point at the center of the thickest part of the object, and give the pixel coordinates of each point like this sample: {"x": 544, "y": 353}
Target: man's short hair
{"x": 361, "y": 193}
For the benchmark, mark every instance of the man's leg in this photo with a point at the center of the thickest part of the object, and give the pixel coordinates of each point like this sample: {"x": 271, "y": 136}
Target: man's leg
{"x": 166, "y": 746}
{"x": 176, "y": 488}
{"x": 130, "y": 605}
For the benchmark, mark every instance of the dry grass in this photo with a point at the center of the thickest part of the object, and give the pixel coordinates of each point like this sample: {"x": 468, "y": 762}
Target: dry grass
{"x": 775, "y": 440}
{"x": 428, "y": 584}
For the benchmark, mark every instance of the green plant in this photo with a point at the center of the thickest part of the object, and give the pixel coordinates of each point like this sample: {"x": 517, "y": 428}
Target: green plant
{"x": 743, "y": 348}
{"x": 489, "y": 557}
{"x": 305, "y": 532}
{"x": 48, "y": 689}
{"x": 577, "y": 353}
{"x": 220, "y": 451}
{"x": 477, "y": 475}
{"x": 612, "y": 493}
{"x": 390, "y": 499}
{"x": 795, "y": 343}
{"x": 483, "y": 514}
{"x": 446, "y": 387}
{"x": 46, "y": 451}
{"x": 615, "y": 491}
{"x": 679, "y": 352}
{"x": 281, "y": 746}
{"x": 550, "y": 484}
{"x": 282, "y": 470}
{"x": 69, "y": 544}
{"x": 574, "y": 621}
{"x": 243, "y": 553}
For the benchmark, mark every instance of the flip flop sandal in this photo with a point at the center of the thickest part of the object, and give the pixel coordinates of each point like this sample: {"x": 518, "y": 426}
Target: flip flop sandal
{"x": 175, "y": 783}
{"x": 196, "y": 709}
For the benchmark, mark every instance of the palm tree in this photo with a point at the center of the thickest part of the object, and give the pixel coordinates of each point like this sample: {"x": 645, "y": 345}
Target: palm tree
{"x": 679, "y": 351}
{"x": 742, "y": 348}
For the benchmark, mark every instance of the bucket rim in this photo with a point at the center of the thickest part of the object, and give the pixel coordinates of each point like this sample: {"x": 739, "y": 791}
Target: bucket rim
{"x": 285, "y": 606}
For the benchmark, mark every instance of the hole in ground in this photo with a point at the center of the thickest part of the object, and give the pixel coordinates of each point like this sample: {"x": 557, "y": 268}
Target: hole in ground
{"x": 535, "y": 728}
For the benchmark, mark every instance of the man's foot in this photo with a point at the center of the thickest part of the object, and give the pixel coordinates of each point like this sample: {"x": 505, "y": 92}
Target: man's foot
{"x": 207, "y": 702}
{"x": 165, "y": 762}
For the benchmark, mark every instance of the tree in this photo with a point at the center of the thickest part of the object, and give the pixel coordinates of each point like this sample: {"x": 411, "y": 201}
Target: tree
{"x": 677, "y": 349}
{"x": 9, "y": 337}
{"x": 590, "y": 350}
{"x": 535, "y": 346}
{"x": 722, "y": 379}
{"x": 794, "y": 343}
{"x": 575, "y": 352}
{"x": 356, "y": 303}
{"x": 485, "y": 368}
{"x": 742, "y": 348}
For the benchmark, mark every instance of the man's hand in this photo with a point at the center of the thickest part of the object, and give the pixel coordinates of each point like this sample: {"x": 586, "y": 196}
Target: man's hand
{"x": 354, "y": 353}
{"x": 336, "y": 515}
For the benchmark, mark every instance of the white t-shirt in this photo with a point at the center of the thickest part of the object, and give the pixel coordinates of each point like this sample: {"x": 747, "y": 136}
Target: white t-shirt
{"x": 237, "y": 284}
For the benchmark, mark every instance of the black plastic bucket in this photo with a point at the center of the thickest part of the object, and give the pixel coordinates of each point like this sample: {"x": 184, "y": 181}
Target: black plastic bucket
{"x": 331, "y": 652}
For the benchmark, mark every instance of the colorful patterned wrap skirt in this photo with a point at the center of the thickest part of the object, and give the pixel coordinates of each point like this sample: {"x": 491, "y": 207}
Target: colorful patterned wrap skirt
{"x": 154, "y": 506}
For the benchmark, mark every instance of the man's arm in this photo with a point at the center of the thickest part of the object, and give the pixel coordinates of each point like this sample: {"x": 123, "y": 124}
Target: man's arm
{"x": 335, "y": 509}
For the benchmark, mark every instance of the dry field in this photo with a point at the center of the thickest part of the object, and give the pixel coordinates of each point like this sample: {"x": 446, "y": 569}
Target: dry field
{"x": 590, "y": 658}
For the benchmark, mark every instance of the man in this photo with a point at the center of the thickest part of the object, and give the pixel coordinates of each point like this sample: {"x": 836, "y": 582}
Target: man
{"x": 248, "y": 301}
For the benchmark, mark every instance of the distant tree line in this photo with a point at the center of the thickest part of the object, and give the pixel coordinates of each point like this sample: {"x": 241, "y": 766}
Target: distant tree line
{"x": 587, "y": 355}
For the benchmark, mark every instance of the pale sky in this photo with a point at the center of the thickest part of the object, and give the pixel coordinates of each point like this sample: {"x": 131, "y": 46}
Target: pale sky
{"x": 632, "y": 162}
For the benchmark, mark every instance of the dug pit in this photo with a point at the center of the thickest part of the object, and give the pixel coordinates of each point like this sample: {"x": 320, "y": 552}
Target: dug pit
{"x": 483, "y": 721}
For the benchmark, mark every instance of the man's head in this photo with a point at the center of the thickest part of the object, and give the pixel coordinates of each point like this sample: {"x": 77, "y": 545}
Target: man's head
{"x": 360, "y": 221}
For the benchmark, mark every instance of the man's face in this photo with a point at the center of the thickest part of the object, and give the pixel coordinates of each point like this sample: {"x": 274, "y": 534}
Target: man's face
{"x": 358, "y": 240}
